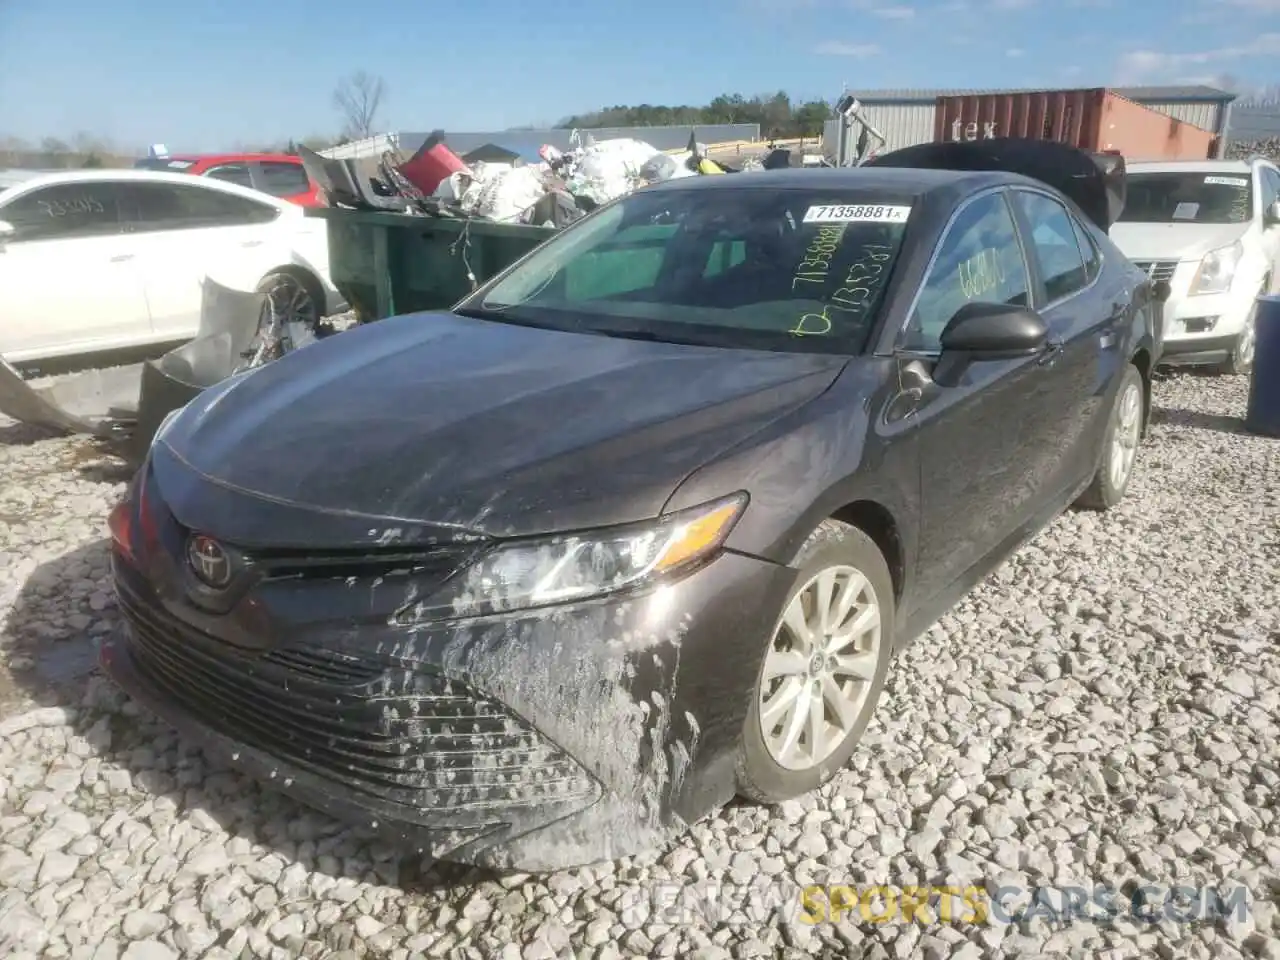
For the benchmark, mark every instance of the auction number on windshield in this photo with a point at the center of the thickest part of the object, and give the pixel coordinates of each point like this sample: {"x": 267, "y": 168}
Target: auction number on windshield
{"x": 866, "y": 213}
{"x": 861, "y": 283}
{"x": 71, "y": 207}
{"x": 817, "y": 258}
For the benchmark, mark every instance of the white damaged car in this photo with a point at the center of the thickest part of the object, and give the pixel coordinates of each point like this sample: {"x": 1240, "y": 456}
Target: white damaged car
{"x": 95, "y": 261}
{"x": 1211, "y": 228}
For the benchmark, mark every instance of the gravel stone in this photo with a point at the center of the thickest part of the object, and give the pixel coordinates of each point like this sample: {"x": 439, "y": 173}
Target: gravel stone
{"x": 1102, "y": 709}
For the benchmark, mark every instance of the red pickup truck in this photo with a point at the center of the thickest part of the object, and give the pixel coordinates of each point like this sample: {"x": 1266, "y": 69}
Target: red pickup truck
{"x": 278, "y": 174}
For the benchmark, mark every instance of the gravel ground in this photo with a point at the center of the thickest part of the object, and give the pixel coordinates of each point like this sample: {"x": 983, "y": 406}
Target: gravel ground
{"x": 1102, "y": 710}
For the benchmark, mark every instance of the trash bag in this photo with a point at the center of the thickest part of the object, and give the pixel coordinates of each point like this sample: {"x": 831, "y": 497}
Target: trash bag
{"x": 504, "y": 195}
{"x": 609, "y": 169}
{"x": 555, "y": 209}
{"x": 659, "y": 168}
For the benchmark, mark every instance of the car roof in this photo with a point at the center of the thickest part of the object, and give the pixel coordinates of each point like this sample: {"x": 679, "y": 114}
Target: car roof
{"x": 1189, "y": 166}
{"x": 230, "y": 157}
{"x": 150, "y": 176}
{"x": 908, "y": 180}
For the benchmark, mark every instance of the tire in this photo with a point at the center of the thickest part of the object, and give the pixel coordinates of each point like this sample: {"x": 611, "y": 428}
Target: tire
{"x": 834, "y": 548}
{"x": 1240, "y": 362}
{"x": 1112, "y": 479}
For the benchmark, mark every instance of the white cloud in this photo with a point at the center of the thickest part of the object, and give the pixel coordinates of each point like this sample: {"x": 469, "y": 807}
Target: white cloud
{"x": 1015, "y": 52}
{"x": 894, "y": 13}
{"x": 1259, "y": 6}
{"x": 834, "y": 48}
{"x": 1011, "y": 4}
{"x": 1141, "y": 65}
{"x": 885, "y": 11}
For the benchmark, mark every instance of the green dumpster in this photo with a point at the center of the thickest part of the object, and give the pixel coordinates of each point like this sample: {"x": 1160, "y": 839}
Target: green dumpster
{"x": 392, "y": 263}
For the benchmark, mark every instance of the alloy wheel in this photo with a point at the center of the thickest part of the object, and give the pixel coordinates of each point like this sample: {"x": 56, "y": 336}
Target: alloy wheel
{"x": 820, "y": 667}
{"x": 1125, "y": 438}
{"x": 289, "y": 319}
{"x": 1246, "y": 345}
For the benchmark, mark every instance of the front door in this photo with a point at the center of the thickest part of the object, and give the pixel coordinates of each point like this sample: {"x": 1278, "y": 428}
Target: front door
{"x": 69, "y": 282}
{"x": 977, "y": 439}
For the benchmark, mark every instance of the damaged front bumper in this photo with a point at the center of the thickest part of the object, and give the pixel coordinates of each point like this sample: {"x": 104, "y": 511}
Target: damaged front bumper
{"x": 126, "y": 404}
{"x": 534, "y": 741}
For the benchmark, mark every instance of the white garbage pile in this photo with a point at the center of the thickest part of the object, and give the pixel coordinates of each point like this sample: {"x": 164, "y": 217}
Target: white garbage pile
{"x": 564, "y": 186}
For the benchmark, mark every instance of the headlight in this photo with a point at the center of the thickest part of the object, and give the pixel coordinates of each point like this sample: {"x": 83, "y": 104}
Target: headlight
{"x": 1217, "y": 270}
{"x": 564, "y": 569}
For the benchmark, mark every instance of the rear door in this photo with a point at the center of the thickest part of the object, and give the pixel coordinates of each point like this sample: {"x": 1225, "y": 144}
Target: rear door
{"x": 1089, "y": 318}
{"x": 186, "y": 232}
{"x": 980, "y": 440}
{"x": 68, "y": 275}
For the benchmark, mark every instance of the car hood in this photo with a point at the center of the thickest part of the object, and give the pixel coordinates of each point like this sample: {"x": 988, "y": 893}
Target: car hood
{"x": 1174, "y": 241}
{"x": 433, "y": 422}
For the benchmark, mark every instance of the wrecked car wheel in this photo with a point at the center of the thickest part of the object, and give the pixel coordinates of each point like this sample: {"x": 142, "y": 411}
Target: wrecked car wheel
{"x": 824, "y": 669}
{"x": 1119, "y": 446}
{"x": 290, "y": 318}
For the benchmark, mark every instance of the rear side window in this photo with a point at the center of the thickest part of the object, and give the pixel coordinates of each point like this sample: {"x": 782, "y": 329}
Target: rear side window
{"x": 65, "y": 211}
{"x": 1054, "y": 245}
{"x": 283, "y": 179}
{"x": 232, "y": 173}
{"x": 166, "y": 206}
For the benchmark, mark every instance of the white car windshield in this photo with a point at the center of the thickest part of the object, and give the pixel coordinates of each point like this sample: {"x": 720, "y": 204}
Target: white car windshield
{"x": 777, "y": 269}
{"x": 1188, "y": 197}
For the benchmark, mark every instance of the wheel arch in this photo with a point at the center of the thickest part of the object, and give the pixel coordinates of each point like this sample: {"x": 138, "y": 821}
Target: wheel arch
{"x": 877, "y": 522}
{"x": 305, "y": 275}
{"x": 1141, "y": 359}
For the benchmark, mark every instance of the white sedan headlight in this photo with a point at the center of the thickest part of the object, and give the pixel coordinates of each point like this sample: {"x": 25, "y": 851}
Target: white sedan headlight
{"x": 564, "y": 569}
{"x": 1217, "y": 270}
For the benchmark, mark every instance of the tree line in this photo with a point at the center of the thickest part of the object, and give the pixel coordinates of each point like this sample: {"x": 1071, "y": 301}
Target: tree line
{"x": 358, "y": 100}
{"x": 777, "y": 114}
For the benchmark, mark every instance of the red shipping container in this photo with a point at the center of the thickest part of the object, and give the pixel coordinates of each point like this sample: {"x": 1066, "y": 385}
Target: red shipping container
{"x": 1097, "y": 120}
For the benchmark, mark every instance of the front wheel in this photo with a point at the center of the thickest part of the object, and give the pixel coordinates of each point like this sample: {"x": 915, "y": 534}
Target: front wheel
{"x": 1240, "y": 362}
{"x": 1119, "y": 445}
{"x": 823, "y": 670}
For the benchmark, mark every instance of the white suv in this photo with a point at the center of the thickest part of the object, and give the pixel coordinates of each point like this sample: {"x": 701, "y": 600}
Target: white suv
{"x": 1211, "y": 228}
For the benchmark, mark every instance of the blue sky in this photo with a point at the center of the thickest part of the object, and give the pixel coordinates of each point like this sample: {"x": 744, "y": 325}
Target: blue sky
{"x": 206, "y": 76}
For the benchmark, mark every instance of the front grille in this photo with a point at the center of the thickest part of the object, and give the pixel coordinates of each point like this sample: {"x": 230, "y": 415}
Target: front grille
{"x": 402, "y": 736}
{"x": 1157, "y": 269}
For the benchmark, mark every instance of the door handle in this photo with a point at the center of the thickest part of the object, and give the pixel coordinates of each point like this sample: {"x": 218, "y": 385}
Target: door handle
{"x": 121, "y": 258}
{"x": 1050, "y": 354}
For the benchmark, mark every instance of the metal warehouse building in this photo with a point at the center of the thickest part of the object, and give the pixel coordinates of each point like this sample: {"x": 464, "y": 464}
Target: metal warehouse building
{"x": 906, "y": 117}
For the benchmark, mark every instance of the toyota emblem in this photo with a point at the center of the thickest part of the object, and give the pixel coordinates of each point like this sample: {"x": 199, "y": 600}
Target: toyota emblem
{"x": 209, "y": 562}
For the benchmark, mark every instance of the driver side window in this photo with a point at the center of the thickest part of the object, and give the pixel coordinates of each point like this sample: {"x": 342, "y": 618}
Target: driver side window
{"x": 979, "y": 261}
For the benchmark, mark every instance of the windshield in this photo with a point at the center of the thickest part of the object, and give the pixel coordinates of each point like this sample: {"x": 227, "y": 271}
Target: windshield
{"x": 1187, "y": 197}
{"x": 775, "y": 269}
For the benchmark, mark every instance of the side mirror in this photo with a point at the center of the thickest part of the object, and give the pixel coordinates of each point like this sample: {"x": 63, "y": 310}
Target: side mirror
{"x": 1271, "y": 215}
{"x": 988, "y": 331}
